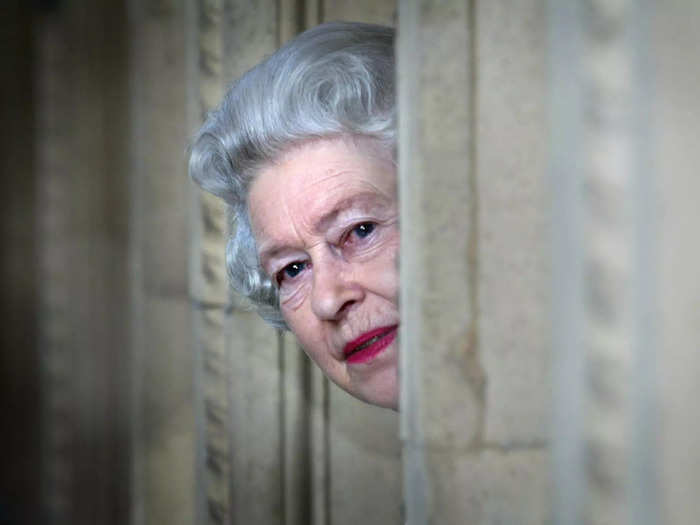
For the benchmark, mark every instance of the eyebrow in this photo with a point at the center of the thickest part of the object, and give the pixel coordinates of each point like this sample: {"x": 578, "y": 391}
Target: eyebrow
{"x": 270, "y": 250}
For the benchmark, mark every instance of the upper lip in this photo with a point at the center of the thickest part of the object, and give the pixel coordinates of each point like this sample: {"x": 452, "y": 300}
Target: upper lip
{"x": 351, "y": 346}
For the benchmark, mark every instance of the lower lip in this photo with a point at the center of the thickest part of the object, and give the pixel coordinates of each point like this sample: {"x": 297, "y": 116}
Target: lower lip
{"x": 373, "y": 350}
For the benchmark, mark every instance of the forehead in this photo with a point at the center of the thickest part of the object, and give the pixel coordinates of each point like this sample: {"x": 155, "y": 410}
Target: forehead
{"x": 315, "y": 179}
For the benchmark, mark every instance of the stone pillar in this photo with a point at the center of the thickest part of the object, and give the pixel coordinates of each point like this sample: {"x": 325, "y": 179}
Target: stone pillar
{"x": 475, "y": 359}
{"x": 82, "y": 248}
{"x": 605, "y": 211}
{"x": 207, "y": 280}
{"x": 675, "y": 130}
{"x": 163, "y": 424}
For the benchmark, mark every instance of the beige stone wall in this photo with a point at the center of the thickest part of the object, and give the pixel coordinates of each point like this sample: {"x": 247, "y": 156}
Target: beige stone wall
{"x": 676, "y": 128}
{"x": 549, "y": 325}
{"x": 474, "y": 266}
{"x": 83, "y": 266}
{"x": 163, "y": 431}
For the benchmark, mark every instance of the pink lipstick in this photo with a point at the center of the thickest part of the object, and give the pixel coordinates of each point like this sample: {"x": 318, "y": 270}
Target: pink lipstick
{"x": 370, "y": 344}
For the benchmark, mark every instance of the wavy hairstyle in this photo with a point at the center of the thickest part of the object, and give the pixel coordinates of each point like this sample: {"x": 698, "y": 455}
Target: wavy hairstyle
{"x": 333, "y": 80}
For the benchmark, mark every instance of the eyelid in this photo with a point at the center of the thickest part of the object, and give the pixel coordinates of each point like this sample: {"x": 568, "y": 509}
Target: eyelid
{"x": 281, "y": 262}
{"x": 341, "y": 230}
{"x": 279, "y": 276}
{"x": 349, "y": 232}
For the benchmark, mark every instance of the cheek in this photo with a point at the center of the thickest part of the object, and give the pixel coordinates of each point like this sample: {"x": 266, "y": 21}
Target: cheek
{"x": 303, "y": 325}
{"x": 293, "y": 300}
{"x": 309, "y": 337}
{"x": 386, "y": 270}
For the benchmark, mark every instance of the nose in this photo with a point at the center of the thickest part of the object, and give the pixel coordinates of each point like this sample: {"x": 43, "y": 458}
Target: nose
{"x": 334, "y": 289}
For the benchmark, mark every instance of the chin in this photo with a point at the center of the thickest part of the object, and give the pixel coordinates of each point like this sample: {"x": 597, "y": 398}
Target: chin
{"x": 384, "y": 395}
{"x": 392, "y": 404}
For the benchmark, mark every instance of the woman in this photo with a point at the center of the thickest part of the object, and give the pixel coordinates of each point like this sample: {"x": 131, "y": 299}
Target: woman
{"x": 302, "y": 148}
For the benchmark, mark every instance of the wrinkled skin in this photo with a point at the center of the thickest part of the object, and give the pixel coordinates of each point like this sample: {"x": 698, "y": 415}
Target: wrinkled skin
{"x": 325, "y": 219}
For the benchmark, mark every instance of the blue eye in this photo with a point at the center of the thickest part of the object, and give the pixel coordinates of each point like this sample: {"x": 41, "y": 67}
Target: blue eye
{"x": 291, "y": 271}
{"x": 364, "y": 229}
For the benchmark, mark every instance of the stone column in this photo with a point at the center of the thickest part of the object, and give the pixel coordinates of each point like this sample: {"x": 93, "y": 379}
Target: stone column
{"x": 163, "y": 424}
{"x": 474, "y": 266}
{"x": 82, "y": 248}
{"x": 675, "y": 128}
{"x": 604, "y": 300}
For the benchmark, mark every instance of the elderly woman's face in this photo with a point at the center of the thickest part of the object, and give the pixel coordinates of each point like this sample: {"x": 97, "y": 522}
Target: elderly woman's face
{"x": 325, "y": 218}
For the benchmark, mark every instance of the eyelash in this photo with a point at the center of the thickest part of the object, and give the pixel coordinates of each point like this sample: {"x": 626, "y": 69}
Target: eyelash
{"x": 281, "y": 274}
{"x": 362, "y": 230}
{"x": 367, "y": 228}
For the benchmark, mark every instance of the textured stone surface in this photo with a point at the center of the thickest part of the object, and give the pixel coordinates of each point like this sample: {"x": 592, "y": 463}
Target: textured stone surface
{"x": 296, "y": 431}
{"x": 473, "y": 271}
{"x": 677, "y": 119}
{"x": 365, "y": 455}
{"x": 213, "y": 419}
{"x": 491, "y": 486}
{"x": 373, "y": 11}
{"x": 82, "y": 242}
{"x": 164, "y": 431}
{"x": 437, "y": 225}
{"x": 254, "y": 32}
{"x": 167, "y": 412}
{"x": 605, "y": 206}
{"x": 513, "y": 215}
{"x": 256, "y": 405}
{"x": 208, "y": 281}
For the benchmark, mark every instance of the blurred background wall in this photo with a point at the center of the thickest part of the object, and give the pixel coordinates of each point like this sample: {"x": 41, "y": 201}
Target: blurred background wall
{"x": 549, "y": 278}
{"x": 138, "y": 389}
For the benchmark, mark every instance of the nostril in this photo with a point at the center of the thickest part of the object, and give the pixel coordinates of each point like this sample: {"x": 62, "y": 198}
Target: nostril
{"x": 345, "y": 307}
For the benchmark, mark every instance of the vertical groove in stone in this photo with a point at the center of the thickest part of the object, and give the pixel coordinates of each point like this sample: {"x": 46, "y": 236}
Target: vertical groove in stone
{"x": 644, "y": 493}
{"x": 320, "y": 490}
{"x": 54, "y": 322}
{"x": 566, "y": 100}
{"x": 313, "y": 13}
{"x": 477, "y": 375}
{"x": 327, "y": 458}
{"x": 416, "y": 481}
{"x": 137, "y": 297}
{"x": 297, "y": 427}
{"x": 283, "y": 434}
{"x": 289, "y": 19}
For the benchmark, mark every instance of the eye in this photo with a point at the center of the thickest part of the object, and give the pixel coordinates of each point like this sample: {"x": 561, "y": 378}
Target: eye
{"x": 364, "y": 229}
{"x": 290, "y": 271}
